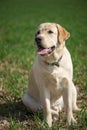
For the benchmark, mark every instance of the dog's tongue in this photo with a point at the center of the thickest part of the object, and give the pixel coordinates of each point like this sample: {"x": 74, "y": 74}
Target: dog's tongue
{"x": 44, "y": 51}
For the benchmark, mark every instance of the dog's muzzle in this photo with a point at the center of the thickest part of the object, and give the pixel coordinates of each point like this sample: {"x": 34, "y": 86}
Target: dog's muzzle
{"x": 41, "y": 50}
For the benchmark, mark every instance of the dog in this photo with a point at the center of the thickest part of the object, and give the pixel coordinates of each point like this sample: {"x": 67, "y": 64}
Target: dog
{"x": 50, "y": 84}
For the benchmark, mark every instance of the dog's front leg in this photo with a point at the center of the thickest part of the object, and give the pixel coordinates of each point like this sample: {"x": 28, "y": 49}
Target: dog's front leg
{"x": 67, "y": 97}
{"x": 45, "y": 100}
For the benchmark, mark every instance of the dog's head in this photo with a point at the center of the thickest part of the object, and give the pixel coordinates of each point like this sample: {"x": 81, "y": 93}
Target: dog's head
{"x": 49, "y": 37}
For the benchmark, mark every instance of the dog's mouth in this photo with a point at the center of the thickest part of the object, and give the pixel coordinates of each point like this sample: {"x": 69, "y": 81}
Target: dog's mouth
{"x": 44, "y": 51}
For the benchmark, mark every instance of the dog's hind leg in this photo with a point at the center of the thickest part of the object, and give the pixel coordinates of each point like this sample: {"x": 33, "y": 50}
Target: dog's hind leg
{"x": 74, "y": 98}
{"x": 31, "y": 103}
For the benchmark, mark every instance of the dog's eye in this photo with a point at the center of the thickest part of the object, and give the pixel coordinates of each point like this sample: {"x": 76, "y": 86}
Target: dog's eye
{"x": 50, "y": 32}
{"x": 38, "y": 32}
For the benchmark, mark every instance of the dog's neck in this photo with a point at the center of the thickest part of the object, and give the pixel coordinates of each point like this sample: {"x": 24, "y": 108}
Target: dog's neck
{"x": 55, "y": 63}
{"x": 54, "y": 58}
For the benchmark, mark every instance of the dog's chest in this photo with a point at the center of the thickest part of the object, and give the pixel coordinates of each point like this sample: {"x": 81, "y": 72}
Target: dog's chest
{"x": 53, "y": 82}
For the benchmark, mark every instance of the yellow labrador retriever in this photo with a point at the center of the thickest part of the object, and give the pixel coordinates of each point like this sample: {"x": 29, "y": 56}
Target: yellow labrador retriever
{"x": 50, "y": 86}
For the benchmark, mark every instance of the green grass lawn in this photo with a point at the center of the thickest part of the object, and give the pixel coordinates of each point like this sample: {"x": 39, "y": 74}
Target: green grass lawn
{"x": 19, "y": 20}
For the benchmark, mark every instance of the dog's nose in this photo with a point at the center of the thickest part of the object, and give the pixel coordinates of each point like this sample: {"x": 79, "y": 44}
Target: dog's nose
{"x": 38, "y": 40}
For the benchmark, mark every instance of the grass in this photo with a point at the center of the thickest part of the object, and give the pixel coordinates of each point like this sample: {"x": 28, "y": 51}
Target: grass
{"x": 19, "y": 20}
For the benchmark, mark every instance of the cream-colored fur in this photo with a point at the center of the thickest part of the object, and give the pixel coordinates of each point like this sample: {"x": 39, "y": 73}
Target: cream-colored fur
{"x": 51, "y": 87}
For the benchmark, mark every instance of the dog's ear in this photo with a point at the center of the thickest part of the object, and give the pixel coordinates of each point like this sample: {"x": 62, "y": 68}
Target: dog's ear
{"x": 63, "y": 35}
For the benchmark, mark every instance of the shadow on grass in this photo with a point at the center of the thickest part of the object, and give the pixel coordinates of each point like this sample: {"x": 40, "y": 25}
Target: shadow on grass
{"x": 15, "y": 114}
{"x": 16, "y": 110}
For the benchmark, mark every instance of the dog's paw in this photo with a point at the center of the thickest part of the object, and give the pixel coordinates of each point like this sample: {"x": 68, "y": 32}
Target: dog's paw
{"x": 55, "y": 118}
{"x": 76, "y": 108}
{"x": 71, "y": 121}
{"x": 55, "y": 114}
